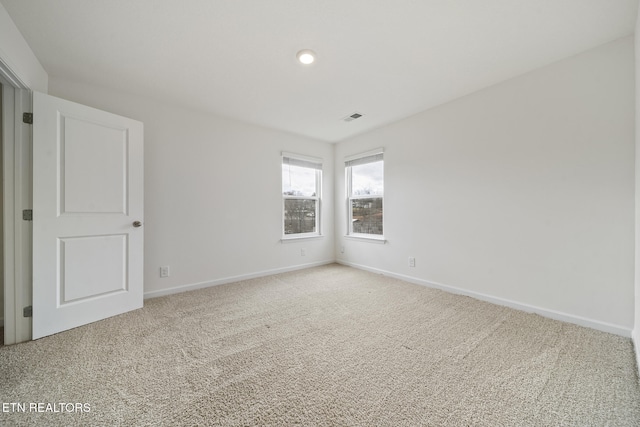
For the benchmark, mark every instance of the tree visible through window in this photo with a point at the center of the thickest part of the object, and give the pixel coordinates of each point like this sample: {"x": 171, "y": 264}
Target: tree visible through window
{"x": 365, "y": 188}
{"x": 301, "y": 178}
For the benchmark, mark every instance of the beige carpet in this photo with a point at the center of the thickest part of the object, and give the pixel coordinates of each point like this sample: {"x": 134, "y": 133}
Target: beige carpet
{"x": 328, "y": 346}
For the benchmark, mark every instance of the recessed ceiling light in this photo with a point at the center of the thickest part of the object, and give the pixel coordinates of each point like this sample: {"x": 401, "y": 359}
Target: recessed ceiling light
{"x": 306, "y": 56}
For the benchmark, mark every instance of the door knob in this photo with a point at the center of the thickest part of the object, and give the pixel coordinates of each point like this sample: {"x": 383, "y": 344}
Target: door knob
{"x": 137, "y": 224}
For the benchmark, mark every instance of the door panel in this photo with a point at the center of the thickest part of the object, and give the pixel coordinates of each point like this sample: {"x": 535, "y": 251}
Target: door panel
{"x": 87, "y": 193}
{"x": 102, "y": 164}
{"x": 107, "y": 258}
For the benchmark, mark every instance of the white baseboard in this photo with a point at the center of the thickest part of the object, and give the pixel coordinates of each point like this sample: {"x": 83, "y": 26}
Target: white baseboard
{"x": 552, "y": 314}
{"x": 207, "y": 284}
{"x": 635, "y": 337}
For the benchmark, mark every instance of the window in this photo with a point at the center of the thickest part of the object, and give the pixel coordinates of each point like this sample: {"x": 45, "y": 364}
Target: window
{"x": 301, "y": 178}
{"x": 365, "y": 192}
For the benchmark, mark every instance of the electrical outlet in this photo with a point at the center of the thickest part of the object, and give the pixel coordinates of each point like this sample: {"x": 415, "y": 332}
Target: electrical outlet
{"x": 341, "y": 249}
{"x": 412, "y": 261}
{"x": 164, "y": 271}
{"x": 303, "y": 252}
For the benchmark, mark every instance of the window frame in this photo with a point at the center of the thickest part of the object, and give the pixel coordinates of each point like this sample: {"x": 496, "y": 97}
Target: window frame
{"x": 350, "y": 196}
{"x": 317, "y": 197}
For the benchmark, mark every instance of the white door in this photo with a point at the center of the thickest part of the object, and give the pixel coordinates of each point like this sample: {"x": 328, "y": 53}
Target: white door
{"x": 87, "y": 215}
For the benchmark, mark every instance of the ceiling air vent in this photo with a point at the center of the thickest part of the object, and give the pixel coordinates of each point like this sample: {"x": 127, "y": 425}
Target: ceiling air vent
{"x": 352, "y": 117}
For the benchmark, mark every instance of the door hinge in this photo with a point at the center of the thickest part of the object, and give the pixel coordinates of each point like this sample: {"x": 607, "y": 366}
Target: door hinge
{"x": 27, "y": 215}
{"x": 27, "y": 118}
{"x": 27, "y": 311}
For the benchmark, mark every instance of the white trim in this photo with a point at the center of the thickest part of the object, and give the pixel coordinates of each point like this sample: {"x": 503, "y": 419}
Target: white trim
{"x": 17, "y": 196}
{"x": 366, "y": 238}
{"x": 23, "y": 229}
{"x": 10, "y": 78}
{"x": 367, "y": 196}
{"x": 8, "y": 147}
{"x": 318, "y": 160}
{"x": 288, "y": 196}
{"x": 232, "y": 279}
{"x": 364, "y": 154}
{"x": 301, "y": 236}
{"x": 551, "y": 314}
{"x": 635, "y": 339}
{"x": 16, "y": 168}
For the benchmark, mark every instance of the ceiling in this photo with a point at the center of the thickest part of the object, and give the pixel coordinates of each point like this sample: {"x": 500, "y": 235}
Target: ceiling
{"x": 384, "y": 59}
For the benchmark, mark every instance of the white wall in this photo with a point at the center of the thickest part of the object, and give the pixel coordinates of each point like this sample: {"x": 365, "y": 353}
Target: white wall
{"x": 521, "y": 192}
{"x": 212, "y": 192}
{"x": 17, "y": 55}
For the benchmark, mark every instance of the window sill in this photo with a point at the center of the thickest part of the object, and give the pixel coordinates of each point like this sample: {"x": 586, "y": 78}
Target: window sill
{"x": 290, "y": 239}
{"x": 366, "y": 238}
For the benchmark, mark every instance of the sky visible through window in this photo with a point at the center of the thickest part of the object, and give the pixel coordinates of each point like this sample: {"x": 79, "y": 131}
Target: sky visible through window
{"x": 367, "y": 179}
{"x": 298, "y": 181}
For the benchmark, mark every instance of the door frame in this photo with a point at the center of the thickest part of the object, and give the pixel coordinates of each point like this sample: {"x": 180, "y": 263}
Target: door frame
{"x": 17, "y": 193}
